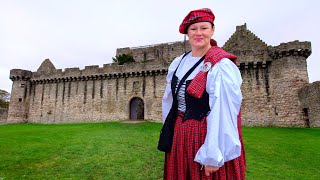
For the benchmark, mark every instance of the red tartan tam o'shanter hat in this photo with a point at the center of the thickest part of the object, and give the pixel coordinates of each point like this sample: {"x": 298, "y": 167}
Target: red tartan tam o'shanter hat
{"x": 195, "y": 16}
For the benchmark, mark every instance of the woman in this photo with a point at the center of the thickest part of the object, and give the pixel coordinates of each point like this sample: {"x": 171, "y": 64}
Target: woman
{"x": 201, "y": 134}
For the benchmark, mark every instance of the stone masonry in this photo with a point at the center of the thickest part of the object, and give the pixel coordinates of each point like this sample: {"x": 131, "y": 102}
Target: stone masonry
{"x": 90, "y": 95}
{"x": 273, "y": 79}
{"x": 310, "y": 100}
{"x": 3, "y": 115}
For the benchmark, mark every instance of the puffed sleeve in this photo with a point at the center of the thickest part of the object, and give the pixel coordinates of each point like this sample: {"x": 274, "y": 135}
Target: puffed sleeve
{"x": 222, "y": 142}
{"x": 167, "y": 97}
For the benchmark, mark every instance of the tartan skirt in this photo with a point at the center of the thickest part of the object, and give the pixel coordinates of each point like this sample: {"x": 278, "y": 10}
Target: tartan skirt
{"x": 188, "y": 138}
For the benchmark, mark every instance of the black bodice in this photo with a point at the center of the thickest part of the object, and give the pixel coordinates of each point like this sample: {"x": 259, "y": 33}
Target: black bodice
{"x": 196, "y": 108}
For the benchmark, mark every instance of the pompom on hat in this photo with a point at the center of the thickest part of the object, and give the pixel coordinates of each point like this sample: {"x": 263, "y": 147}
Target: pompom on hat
{"x": 195, "y": 16}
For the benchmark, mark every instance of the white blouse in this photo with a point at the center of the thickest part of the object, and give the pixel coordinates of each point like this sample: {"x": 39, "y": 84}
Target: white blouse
{"x": 222, "y": 142}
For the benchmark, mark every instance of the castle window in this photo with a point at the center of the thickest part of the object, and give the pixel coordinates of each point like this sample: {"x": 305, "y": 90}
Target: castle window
{"x": 22, "y": 85}
{"x": 144, "y": 56}
{"x": 242, "y": 66}
{"x": 156, "y": 52}
{"x": 20, "y": 99}
{"x": 136, "y": 86}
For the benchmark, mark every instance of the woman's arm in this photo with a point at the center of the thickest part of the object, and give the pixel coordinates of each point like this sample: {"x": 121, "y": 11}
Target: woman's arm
{"x": 222, "y": 142}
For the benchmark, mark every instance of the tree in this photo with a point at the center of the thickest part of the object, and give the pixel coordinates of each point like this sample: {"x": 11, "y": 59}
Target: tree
{"x": 4, "y": 99}
{"x": 123, "y": 58}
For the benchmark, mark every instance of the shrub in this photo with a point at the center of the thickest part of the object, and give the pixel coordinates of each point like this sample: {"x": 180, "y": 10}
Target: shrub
{"x": 123, "y": 58}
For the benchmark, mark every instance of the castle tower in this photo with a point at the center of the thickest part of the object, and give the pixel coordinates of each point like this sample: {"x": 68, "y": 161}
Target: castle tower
{"x": 288, "y": 73}
{"x": 272, "y": 77}
{"x": 20, "y": 93}
{"x": 253, "y": 62}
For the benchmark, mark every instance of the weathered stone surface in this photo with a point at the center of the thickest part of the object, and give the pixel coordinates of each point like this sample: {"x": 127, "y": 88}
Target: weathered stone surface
{"x": 247, "y": 46}
{"x": 309, "y": 96}
{"x": 3, "y": 115}
{"x": 46, "y": 67}
{"x": 164, "y": 52}
{"x": 272, "y": 79}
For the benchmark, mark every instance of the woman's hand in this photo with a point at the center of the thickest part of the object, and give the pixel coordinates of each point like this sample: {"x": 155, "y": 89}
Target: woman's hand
{"x": 210, "y": 169}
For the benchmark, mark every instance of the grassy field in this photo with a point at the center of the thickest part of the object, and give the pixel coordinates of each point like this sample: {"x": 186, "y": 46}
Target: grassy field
{"x": 128, "y": 151}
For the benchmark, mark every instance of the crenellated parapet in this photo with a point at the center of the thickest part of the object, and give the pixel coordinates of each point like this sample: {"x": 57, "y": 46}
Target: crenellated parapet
{"x": 254, "y": 65}
{"x": 294, "y": 48}
{"x": 101, "y": 76}
{"x": 158, "y": 52}
{"x": 108, "y": 71}
{"x": 20, "y": 74}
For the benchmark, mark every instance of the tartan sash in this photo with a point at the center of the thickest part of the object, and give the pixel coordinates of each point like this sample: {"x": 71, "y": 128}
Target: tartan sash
{"x": 213, "y": 56}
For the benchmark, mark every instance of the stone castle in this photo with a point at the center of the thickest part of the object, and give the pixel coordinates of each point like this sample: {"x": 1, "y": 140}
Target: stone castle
{"x": 276, "y": 89}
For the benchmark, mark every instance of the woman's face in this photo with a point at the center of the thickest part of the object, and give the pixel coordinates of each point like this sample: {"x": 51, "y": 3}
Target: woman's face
{"x": 200, "y": 34}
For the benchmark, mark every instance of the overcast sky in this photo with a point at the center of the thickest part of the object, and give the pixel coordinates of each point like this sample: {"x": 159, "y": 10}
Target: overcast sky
{"x": 76, "y": 33}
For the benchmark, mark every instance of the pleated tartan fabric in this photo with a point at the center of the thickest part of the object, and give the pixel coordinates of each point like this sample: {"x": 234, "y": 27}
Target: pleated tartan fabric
{"x": 188, "y": 138}
{"x": 198, "y": 84}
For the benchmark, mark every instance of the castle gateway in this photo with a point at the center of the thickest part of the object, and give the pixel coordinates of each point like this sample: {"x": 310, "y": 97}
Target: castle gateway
{"x": 276, "y": 90}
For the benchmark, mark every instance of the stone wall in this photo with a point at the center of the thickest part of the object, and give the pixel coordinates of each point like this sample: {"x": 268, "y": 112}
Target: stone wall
{"x": 256, "y": 105}
{"x": 3, "y": 115}
{"x": 309, "y": 96}
{"x": 92, "y": 95}
{"x": 164, "y": 52}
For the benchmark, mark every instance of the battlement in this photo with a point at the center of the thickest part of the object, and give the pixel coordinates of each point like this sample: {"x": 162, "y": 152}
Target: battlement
{"x": 294, "y": 48}
{"x": 158, "y": 52}
{"x": 254, "y": 65}
{"x": 95, "y": 72}
{"x": 72, "y": 71}
{"x": 114, "y": 70}
{"x": 120, "y": 50}
{"x": 20, "y": 74}
{"x": 242, "y": 27}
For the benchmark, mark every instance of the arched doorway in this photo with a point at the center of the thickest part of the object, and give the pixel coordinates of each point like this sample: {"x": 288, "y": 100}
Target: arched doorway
{"x": 136, "y": 109}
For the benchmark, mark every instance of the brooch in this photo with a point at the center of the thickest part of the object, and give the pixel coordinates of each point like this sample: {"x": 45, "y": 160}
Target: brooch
{"x": 206, "y": 67}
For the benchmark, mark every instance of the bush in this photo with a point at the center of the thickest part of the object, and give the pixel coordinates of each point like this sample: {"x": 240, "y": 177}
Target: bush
{"x": 4, "y": 99}
{"x": 4, "y": 104}
{"x": 123, "y": 58}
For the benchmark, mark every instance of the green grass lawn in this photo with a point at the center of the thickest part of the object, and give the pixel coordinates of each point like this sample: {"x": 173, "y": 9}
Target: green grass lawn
{"x": 128, "y": 151}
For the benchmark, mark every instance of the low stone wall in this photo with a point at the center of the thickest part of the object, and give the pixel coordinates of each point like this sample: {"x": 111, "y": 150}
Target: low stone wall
{"x": 310, "y": 103}
{"x": 3, "y": 115}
